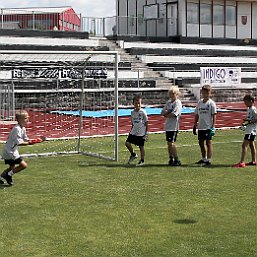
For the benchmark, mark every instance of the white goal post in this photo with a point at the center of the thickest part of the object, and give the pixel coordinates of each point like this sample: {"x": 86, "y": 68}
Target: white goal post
{"x": 71, "y": 97}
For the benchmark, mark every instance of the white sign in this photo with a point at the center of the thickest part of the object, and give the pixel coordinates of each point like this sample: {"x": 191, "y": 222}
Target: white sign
{"x": 220, "y": 76}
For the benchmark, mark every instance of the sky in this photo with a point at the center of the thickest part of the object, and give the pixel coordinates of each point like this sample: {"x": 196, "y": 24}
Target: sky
{"x": 88, "y": 8}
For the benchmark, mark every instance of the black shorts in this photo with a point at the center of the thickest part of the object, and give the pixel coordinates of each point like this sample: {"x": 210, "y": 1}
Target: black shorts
{"x": 171, "y": 136}
{"x": 13, "y": 162}
{"x": 136, "y": 140}
{"x": 204, "y": 134}
{"x": 249, "y": 137}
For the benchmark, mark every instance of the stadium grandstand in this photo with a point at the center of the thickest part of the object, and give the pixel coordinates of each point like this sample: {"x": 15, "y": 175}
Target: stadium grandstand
{"x": 49, "y": 83}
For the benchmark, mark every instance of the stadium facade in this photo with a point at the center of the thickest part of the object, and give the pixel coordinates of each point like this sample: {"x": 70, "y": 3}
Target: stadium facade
{"x": 167, "y": 19}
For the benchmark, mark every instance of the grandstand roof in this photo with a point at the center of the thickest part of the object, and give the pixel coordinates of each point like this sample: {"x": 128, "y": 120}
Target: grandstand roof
{"x": 60, "y": 9}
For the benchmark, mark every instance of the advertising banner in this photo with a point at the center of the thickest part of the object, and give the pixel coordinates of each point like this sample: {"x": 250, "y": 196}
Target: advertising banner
{"x": 220, "y": 76}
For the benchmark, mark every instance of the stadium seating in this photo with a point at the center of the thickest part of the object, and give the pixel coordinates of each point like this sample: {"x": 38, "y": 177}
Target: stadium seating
{"x": 181, "y": 63}
{"x": 145, "y": 68}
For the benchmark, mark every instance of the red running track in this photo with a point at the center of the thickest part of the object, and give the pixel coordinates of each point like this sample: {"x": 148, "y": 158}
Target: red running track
{"x": 59, "y": 126}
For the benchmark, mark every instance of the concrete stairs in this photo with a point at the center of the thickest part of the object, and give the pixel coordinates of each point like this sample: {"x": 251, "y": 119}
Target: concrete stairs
{"x": 162, "y": 83}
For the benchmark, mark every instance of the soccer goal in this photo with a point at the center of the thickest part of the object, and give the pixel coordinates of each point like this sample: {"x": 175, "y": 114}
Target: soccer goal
{"x": 71, "y": 97}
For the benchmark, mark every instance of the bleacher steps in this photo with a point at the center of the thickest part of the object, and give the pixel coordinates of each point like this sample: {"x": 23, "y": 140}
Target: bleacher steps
{"x": 162, "y": 83}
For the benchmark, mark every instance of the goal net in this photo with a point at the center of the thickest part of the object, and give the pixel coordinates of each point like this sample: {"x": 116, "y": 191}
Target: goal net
{"x": 71, "y": 97}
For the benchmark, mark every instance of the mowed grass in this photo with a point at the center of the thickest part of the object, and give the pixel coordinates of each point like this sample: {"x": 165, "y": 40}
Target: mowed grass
{"x": 82, "y": 206}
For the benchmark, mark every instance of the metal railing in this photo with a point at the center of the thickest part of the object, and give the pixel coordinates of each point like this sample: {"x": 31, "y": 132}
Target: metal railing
{"x": 29, "y": 19}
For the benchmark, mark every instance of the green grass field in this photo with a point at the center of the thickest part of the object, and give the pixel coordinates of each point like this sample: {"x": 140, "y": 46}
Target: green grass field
{"x": 82, "y": 206}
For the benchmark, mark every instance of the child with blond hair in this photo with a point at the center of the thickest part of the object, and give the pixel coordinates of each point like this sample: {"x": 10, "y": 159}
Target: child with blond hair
{"x": 172, "y": 113}
{"x": 17, "y": 137}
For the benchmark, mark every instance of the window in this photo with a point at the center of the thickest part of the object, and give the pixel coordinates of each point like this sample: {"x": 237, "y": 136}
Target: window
{"x": 151, "y": 11}
{"x": 205, "y": 14}
{"x": 230, "y": 15}
{"x": 218, "y": 14}
{"x": 192, "y": 13}
{"x": 40, "y": 24}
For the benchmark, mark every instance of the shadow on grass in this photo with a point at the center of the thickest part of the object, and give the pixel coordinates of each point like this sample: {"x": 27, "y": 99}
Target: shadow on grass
{"x": 211, "y": 166}
{"x": 149, "y": 165}
{"x": 4, "y": 185}
{"x": 123, "y": 165}
{"x": 185, "y": 221}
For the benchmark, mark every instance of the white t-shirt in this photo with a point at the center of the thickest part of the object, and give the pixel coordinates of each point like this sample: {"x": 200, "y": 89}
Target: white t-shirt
{"x": 17, "y": 136}
{"x": 175, "y": 107}
{"x": 251, "y": 115}
{"x": 138, "y": 120}
{"x": 205, "y": 112}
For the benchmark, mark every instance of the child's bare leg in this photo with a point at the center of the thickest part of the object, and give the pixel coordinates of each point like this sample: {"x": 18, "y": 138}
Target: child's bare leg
{"x": 142, "y": 152}
{"x": 253, "y": 150}
{"x": 173, "y": 150}
{"x": 129, "y": 147}
{"x": 202, "y": 147}
{"x": 170, "y": 150}
{"x": 244, "y": 150}
{"x": 23, "y": 165}
{"x": 209, "y": 149}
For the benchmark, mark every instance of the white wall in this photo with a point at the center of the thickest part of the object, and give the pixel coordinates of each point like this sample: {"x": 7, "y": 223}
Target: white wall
{"x": 254, "y": 20}
{"x": 244, "y": 31}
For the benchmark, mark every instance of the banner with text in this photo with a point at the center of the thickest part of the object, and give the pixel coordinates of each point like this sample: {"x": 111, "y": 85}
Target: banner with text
{"x": 220, "y": 76}
{"x": 58, "y": 73}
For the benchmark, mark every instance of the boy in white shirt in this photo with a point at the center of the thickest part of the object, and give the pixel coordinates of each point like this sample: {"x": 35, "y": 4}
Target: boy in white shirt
{"x": 138, "y": 132}
{"x": 16, "y": 138}
{"x": 205, "y": 114}
{"x": 250, "y": 124}
{"x": 172, "y": 113}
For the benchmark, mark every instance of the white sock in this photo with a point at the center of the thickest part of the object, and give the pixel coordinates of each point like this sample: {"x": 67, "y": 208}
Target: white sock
{"x": 10, "y": 173}
{"x": 204, "y": 159}
{"x": 1, "y": 178}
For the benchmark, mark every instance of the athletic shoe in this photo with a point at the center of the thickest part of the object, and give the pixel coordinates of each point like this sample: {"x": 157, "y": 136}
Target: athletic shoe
{"x": 132, "y": 158}
{"x": 170, "y": 162}
{"x": 176, "y": 163}
{"x": 239, "y": 165}
{"x": 251, "y": 164}
{"x": 201, "y": 161}
{"x": 141, "y": 163}
{"x": 1, "y": 182}
{"x": 207, "y": 163}
{"x": 8, "y": 179}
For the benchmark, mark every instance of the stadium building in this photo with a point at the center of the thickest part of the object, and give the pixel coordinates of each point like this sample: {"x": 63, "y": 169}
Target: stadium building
{"x": 50, "y": 18}
{"x": 189, "y": 19}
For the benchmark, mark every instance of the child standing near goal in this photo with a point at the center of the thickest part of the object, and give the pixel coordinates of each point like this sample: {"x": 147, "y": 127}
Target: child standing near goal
{"x": 138, "y": 133}
{"x": 250, "y": 124}
{"x": 205, "y": 114}
{"x": 11, "y": 156}
{"x": 172, "y": 113}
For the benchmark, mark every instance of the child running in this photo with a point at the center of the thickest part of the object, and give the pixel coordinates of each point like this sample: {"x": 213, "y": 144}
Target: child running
{"x": 172, "y": 113}
{"x": 11, "y": 156}
{"x": 205, "y": 113}
{"x": 138, "y": 132}
{"x": 250, "y": 124}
